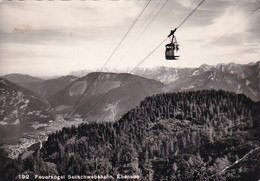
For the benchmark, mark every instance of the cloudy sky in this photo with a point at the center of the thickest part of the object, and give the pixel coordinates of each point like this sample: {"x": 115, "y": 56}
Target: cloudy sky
{"x": 44, "y": 38}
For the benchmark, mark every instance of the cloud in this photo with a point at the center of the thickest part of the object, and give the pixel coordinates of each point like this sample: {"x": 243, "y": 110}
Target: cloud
{"x": 63, "y": 15}
{"x": 72, "y": 35}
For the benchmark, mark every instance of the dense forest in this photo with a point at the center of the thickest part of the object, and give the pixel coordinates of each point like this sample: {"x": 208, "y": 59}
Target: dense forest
{"x": 196, "y": 135}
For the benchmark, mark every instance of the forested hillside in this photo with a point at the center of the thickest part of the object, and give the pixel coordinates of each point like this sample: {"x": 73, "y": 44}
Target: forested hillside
{"x": 175, "y": 136}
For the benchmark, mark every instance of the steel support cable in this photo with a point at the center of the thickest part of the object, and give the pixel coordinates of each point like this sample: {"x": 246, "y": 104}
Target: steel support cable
{"x": 135, "y": 21}
{"x": 143, "y": 31}
{"x": 191, "y": 13}
{"x": 150, "y": 15}
{"x": 223, "y": 35}
{"x": 236, "y": 162}
{"x": 245, "y": 18}
{"x": 125, "y": 77}
{"x": 126, "y": 34}
{"x": 243, "y": 52}
{"x": 180, "y": 23}
{"x": 152, "y": 19}
{"x": 128, "y": 74}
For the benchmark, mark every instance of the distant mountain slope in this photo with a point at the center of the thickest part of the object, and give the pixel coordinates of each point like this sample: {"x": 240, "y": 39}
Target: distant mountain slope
{"x": 20, "y": 105}
{"x": 164, "y": 74}
{"x": 49, "y": 87}
{"x": 231, "y": 77}
{"x": 203, "y": 135}
{"x": 44, "y": 88}
{"x": 80, "y": 73}
{"x": 21, "y": 79}
{"x": 82, "y": 94}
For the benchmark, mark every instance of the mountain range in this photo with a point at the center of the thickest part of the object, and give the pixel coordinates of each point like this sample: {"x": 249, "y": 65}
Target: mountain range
{"x": 231, "y": 77}
{"x": 78, "y": 95}
{"x": 75, "y": 95}
{"x": 239, "y": 78}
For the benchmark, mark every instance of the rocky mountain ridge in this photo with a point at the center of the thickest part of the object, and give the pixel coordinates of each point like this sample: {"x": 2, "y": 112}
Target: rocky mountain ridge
{"x": 19, "y": 105}
{"x": 233, "y": 77}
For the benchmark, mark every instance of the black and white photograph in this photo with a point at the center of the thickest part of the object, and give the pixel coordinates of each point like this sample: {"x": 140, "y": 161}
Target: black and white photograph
{"x": 140, "y": 90}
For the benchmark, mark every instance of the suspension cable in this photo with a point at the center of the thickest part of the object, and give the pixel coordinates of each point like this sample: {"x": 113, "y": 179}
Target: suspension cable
{"x": 245, "y": 18}
{"x": 135, "y": 21}
{"x": 236, "y": 162}
{"x": 191, "y": 13}
{"x": 223, "y": 35}
{"x": 125, "y": 77}
{"x": 151, "y": 13}
{"x": 143, "y": 31}
{"x": 128, "y": 74}
{"x": 152, "y": 19}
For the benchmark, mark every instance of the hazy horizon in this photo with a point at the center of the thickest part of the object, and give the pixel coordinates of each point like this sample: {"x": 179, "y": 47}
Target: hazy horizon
{"x": 112, "y": 70}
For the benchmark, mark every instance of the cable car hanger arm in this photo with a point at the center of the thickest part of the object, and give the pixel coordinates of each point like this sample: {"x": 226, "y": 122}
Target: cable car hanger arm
{"x": 172, "y": 32}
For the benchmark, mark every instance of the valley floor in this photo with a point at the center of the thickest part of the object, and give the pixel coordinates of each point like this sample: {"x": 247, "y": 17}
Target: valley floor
{"x": 39, "y": 135}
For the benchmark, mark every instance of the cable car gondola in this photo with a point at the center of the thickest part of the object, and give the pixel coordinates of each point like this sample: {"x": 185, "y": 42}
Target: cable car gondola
{"x": 172, "y": 49}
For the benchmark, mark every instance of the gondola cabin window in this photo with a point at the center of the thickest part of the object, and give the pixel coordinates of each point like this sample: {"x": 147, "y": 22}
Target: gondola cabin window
{"x": 172, "y": 51}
